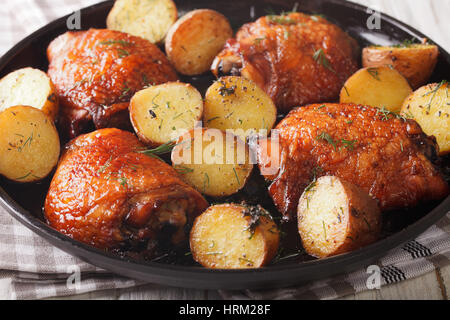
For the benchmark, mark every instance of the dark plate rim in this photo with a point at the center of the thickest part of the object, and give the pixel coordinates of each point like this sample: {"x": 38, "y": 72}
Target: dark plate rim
{"x": 201, "y": 278}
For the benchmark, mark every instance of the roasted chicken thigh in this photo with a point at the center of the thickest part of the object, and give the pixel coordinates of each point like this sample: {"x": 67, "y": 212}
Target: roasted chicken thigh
{"x": 96, "y": 72}
{"x": 387, "y": 156}
{"x": 296, "y": 58}
{"x": 108, "y": 194}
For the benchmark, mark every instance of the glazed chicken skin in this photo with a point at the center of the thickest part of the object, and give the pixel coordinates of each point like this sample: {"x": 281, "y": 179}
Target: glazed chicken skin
{"x": 107, "y": 194}
{"x": 296, "y": 58}
{"x": 96, "y": 72}
{"x": 385, "y": 155}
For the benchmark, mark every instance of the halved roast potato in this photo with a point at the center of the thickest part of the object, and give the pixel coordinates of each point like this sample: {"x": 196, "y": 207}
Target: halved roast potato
{"x": 381, "y": 87}
{"x": 335, "y": 216}
{"x": 415, "y": 62}
{"x": 430, "y": 107}
{"x": 159, "y": 114}
{"x": 29, "y": 144}
{"x": 232, "y": 236}
{"x": 29, "y": 87}
{"x": 214, "y": 162}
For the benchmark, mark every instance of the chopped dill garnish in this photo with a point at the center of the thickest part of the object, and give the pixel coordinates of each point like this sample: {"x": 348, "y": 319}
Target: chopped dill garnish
{"x": 346, "y": 91}
{"x": 311, "y": 186}
{"x": 433, "y": 93}
{"x": 205, "y": 181}
{"x": 78, "y": 84}
{"x": 281, "y": 19}
{"x": 125, "y": 92}
{"x": 385, "y": 113}
{"x": 320, "y": 57}
{"x": 112, "y": 42}
{"x": 27, "y": 142}
{"x": 123, "y": 181}
{"x": 348, "y": 144}
{"x": 123, "y": 53}
{"x": 325, "y": 136}
{"x": 105, "y": 166}
{"x": 258, "y": 40}
{"x": 28, "y": 175}
{"x": 406, "y": 43}
{"x": 224, "y": 91}
{"x": 184, "y": 170}
{"x": 236, "y": 175}
{"x": 212, "y": 119}
{"x": 250, "y": 263}
{"x": 177, "y": 116}
{"x": 374, "y": 73}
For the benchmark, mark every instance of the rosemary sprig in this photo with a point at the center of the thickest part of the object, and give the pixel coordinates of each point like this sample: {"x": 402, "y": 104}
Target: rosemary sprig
{"x": 163, "y": 149}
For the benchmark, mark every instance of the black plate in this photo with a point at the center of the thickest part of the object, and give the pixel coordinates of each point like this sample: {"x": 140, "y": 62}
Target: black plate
{"x": 24, "y": 201}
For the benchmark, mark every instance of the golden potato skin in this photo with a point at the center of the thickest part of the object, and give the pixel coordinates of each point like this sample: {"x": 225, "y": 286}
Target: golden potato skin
{"x": 348, "y": 221}
{"x": 381, "y": 87}
{"x": 29, "y": 144}
{"x": 222, "y": 238}
{"x": 238, "y": 103}
{"x": 430, "y": 107}
{"x": 281, "y": 54}
{"x": 415, "y": 62}
{"x": 195, "y": 39}
{"x": 29, "y": 87}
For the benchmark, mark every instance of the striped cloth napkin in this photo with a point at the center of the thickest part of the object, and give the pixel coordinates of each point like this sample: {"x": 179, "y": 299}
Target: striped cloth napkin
{"x": 31, "y": 268}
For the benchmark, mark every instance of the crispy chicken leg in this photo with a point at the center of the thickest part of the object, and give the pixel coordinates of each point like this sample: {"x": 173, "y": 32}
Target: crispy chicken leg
{"x": 108, "y": 194}
{"x": 96, "y": 73}
{"x": 385, "y": 155}
{"x": 295, "y": 58}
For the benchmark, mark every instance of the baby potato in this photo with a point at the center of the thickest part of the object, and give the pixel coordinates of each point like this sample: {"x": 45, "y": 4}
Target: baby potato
{"x": 335, "y": 216}
{"x": 30, "y": 87}
{"x": 231, "y": 236}
{"x": 430, "y": 107}
{"x": 216, "y": 163}
{"x": 29, "y": 144}
{"x": 193, "y": 41}
{"x": 160, "y": 114}
{"x": 416, "y": 62}
{"x": 150, "y": 20}
{"x": 377, "y": 87}
{"x": 237, "y": 103}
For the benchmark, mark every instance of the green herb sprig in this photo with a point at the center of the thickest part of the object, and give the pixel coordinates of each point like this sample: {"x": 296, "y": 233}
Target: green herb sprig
{"x": 320, "y": 57}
